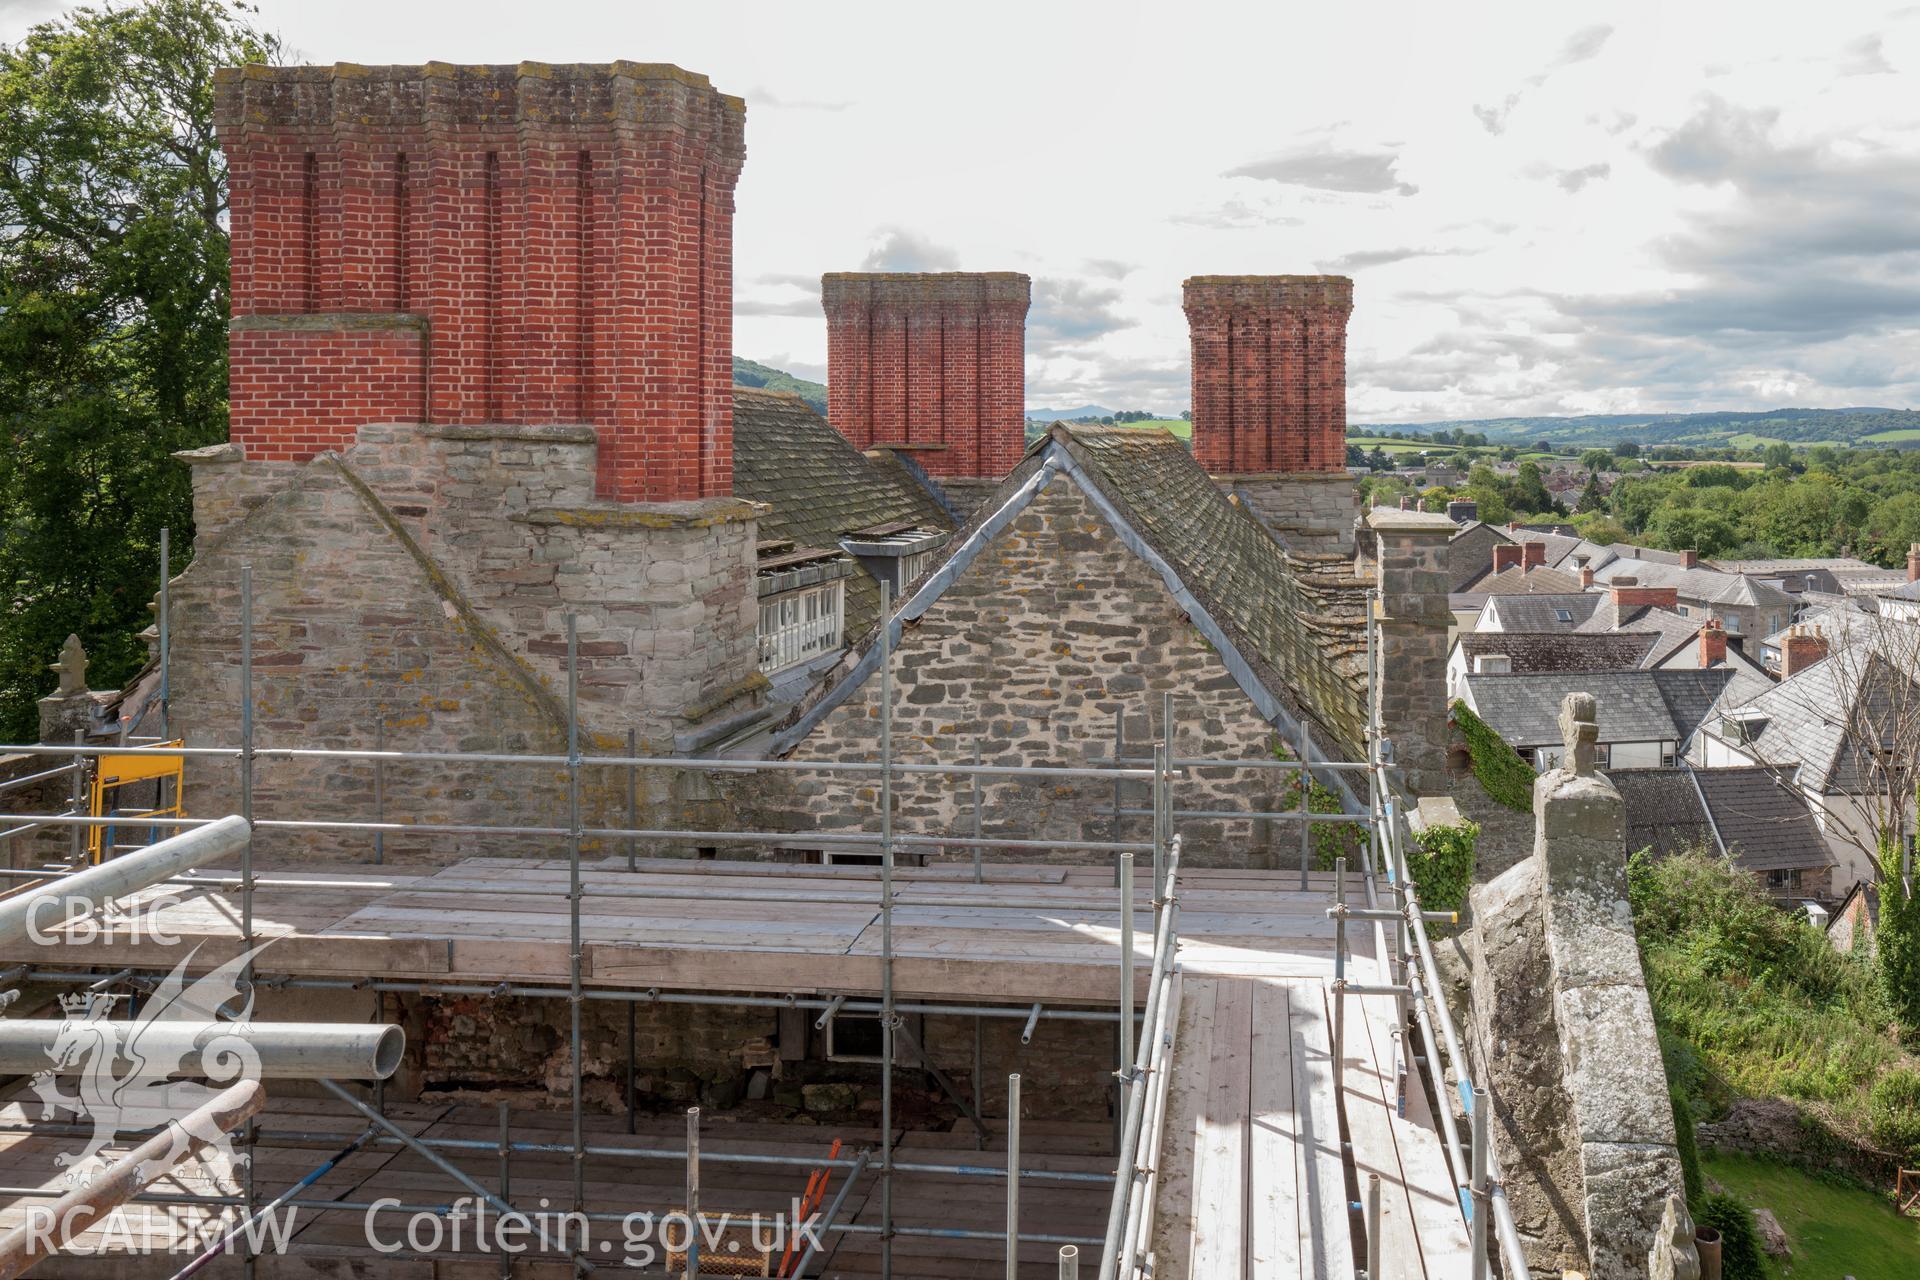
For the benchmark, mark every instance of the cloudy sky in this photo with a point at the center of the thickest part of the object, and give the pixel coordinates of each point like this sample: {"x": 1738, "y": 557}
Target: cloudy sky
{"x": 1545, "y": 208}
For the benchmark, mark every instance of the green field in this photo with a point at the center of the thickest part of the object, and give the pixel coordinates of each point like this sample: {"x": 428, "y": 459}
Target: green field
{"x": 1390, "y": 446}
{"x": 1892, "y": 437}
{"x": 1836, "y": 1229}
{"x": 1180, "y": 427}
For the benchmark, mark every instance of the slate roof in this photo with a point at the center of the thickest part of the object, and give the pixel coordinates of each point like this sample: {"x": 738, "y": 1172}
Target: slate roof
{"x": 1807, "y": 716}
{"x": 1665, "y": 812}
{"x": 1529, "y": 581}
{"x": 1304, "y": 616}
{"x": 1708, "y": 585}
{"x": 819, "y": 486}
{"x": 1634, "y": 706}
{"x": 1539, "y": 613}
{"x": 1763, "y": 823}
{"x": 1745, "y": 812}
{"x": 1537, "y": 651}
{"x": 1805, "y": 565}
{"x": 1294, "y": 625}
{"x": 1470, "y": 553}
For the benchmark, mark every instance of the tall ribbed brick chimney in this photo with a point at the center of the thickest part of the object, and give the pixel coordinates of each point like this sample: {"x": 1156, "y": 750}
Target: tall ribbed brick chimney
{"x": 486, "y": 244}
{"x": 935, "y": 362}
{"x": 1269, "y": 372}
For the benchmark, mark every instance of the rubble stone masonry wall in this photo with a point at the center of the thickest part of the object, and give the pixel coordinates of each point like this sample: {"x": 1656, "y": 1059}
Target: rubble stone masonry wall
{"x": 1053, "y": 630}
{"x": 414, "y": 590}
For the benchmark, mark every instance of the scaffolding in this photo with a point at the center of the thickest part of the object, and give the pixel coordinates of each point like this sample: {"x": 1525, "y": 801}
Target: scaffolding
{"x": 1160, "y": 848}
{"x": 1143, "y": 1035}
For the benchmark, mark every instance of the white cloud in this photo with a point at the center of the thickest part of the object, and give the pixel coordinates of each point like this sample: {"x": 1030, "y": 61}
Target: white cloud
{"x": 1621, "y": 243}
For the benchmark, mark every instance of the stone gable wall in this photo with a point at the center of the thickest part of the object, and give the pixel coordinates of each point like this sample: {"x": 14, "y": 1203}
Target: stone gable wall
{"x": 1053, "y": 629}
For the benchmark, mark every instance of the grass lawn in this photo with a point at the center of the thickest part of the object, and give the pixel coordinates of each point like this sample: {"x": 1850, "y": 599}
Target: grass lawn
{"x": 1889, "y": 437}
{"x": 1836, "y": 1230}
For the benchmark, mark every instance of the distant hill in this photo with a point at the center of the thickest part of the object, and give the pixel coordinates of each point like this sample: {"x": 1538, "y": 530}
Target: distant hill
{"x": 1865, "y": 425}
{"x": 748, "y": 373}
{"x": 1068, "y": 415}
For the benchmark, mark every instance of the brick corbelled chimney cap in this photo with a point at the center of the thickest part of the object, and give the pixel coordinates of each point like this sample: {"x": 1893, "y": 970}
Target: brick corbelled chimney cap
{"x": 644, "y": 95}
{"x": 1267, "y": 292}
{"x": 911, "y": 288}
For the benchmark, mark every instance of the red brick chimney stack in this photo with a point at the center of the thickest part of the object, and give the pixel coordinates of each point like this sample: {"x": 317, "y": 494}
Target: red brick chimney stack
{"x": 1713, "y": 643}
{"x": 1533, "y": 554}
{"x": 1629, "y": 594}
{"x": 486, "y": 244}
{"x": 1913, "y": 563}
{"x": 1506, "y": 555}
{"x": 1586, "y": 576}
{"x": 1804, "y": 646}
{"x": 1269, "y": 372}
{"x": 934, "y": 361}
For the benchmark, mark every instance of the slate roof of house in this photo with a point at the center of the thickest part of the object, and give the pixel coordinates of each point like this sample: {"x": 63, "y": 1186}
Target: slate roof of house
{"x": 1763, "y": 823}
{"x": 1665, "y": 812}
{"x": 1807, "y": 716}
{"x": 1804, "y": 565}
{"x": 1291, "y": 628}
{"x": 1674, "y": 631}
{"x": 1533, "y": 581}
{"x": 1708, "y": 585}
{"x": 819, "y": 486}
{"x": 1470, "y": 553}
{"x": 1743, "y": 811}
{"x": 1537, "y": 651}
{"x": 1541, "y": 613}
{"x": 1634, "y": 706}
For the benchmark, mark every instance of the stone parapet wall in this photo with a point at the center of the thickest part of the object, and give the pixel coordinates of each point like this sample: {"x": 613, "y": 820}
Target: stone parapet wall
{"x": 1563, "y": 1034}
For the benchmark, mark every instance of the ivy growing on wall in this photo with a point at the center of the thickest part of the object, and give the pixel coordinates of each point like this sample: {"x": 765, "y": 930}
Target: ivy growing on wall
{"x": 1501, "y": 771}
{"x": 1441, "y": 861}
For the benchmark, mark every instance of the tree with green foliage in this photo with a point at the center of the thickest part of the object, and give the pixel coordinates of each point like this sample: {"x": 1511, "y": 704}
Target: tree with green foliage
{"x": 1526, "y": 492}
{"x": 1778, "y": 456}
{"x": 1691, "y": 529}
{"x": 1592, "y": 498}
{"x": 113, "y": 320}
{"x": 1596, "y": 460}
{"x": 1896, "y": 946}
{"x": 1627, "y": 449}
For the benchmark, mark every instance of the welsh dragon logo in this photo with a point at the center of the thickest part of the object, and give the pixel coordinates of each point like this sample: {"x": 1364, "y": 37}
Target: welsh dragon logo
{"x": 126, "y": 1068}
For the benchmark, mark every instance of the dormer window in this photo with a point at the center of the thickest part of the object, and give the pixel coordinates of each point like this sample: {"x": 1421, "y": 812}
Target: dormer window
{"x": 802, "y": 594}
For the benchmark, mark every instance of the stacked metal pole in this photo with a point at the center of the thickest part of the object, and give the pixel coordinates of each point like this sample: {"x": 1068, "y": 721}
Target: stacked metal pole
{"x": 1013, "y": 1176}
{"x": 246, "y": 854}
{"x": 887, "y": 1013}
{"x": 574, "y": 997}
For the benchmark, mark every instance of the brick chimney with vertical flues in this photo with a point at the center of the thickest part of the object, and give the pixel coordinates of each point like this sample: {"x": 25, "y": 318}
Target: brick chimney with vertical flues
{"x": 466, "y": 245}
{"x": 1803, "y": 646}
{"x": 930, "y": 362}
{"x": 1269, "y": 372}
{"x": 1270, "y": 401}
{"x": 1713, "y": 643}
{"x": 1913, "y": 563}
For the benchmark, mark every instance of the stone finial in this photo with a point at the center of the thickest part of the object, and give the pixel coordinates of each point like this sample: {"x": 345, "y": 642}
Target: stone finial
{"x": 1674, "y": 1256}
{"x": 1580, "y": 731}
{"x": 72, "y": 668}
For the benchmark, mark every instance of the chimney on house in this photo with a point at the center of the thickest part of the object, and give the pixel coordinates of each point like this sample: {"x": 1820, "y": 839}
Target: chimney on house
{"x": 1506, "y": 555}
{"x": 1533, "y": 554}
{"x": 1913, "y": 563}
{"x": 1406, "y": 504}
{"x": 1713, "y": 643}
{"x": 1689, "y": 559}
{"x": 1629, "y": 594}
{"x": 486, "y": 244}
{"x": 934, "y": 362}
{"x": 1463, "y": 511}
{"x": 1586, "y": 576}
{"x": 1269, "y": 372}
{"x": 1804, "y": 646}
